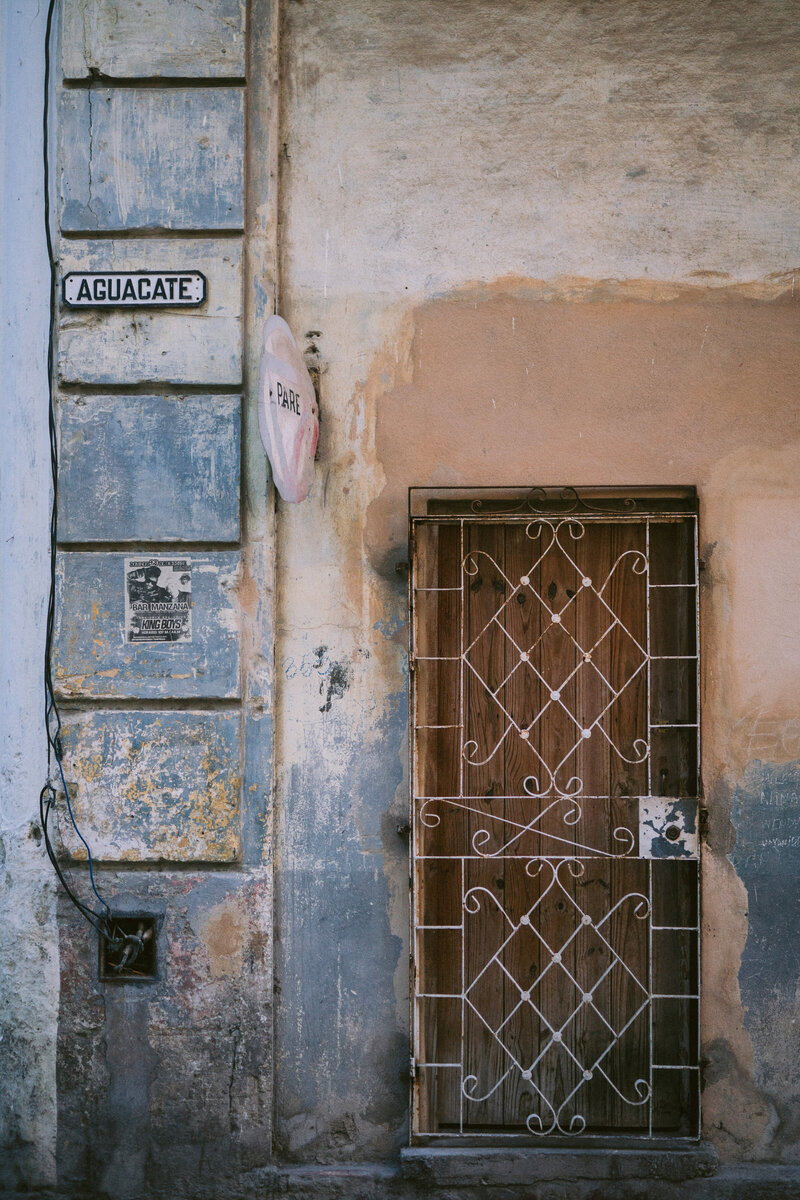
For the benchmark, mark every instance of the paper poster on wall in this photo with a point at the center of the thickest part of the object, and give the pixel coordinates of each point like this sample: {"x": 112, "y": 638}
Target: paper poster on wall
{"x": 158, "y": 599}
{"x": 287, "y": 412}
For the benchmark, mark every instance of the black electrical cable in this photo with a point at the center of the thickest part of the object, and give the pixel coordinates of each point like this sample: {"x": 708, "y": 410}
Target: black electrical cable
{"x": 52, "y": 718}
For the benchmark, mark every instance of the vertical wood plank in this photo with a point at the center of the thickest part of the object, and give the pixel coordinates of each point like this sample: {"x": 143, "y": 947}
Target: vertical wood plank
{"x": 627, "y": 596}
{"x": 672, "y": 632}
{"x": 484, "y": 776}
{"x": 587, "y": 619}
{"x": 525, "y": 698}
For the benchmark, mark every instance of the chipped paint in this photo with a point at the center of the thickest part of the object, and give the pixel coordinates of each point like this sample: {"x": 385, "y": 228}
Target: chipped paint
{"x": 177, "y": 154}
{"x": 202, "y": 345}
{"x": 169, "y": 1070}
{"x": 92, "y": 658}
{"x": 168, "y": 38}
{"x": 554, "y": 301}
{"x": 223, "y": 932}
{"x": 154, "y": 787}
{"x": 595, "y": 283}
{"x": 668, "y": 828}
{"x": 107, "y": 482}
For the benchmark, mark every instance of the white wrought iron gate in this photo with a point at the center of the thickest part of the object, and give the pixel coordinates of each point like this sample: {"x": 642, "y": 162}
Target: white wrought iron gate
{"x": 554, "y": 831}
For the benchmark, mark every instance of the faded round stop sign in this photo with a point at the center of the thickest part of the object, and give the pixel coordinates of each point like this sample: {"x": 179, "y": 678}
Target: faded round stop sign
{"x": 287, "y": 412}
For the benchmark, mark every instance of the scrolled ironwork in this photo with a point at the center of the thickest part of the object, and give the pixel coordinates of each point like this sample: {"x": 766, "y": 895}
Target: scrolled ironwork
{"x": 551, "y": 826}
{"x": 558, "y": 501}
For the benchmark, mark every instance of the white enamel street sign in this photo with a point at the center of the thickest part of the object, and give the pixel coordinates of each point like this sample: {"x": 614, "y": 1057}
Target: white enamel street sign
{"x": 287, "y": 412}
{"x": 134, "y": 289}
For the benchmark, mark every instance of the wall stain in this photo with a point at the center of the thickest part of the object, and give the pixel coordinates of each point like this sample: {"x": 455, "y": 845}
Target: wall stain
{"x": 767, "y": 859}
{"x": 561, "y": 382}
{"x": 335, "y": 684}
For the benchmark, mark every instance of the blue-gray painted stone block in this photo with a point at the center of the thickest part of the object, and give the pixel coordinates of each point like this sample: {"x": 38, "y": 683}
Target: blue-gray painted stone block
{"x": 152, "y": 159}
{"x": 767, "y": 858}
{"x": 157, "y": 785}
{"x": 149, "y": 468}
{"x": 182, "y": 346}
{"x": 92, "y": 658}
{"x": 153, "y": 37}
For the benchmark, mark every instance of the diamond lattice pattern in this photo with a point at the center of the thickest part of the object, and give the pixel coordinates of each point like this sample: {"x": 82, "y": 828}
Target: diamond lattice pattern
{"x": 560, "y": 689}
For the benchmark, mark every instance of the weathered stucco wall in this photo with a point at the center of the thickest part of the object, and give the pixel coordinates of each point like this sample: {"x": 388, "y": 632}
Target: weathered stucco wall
{"x": 28, "y": 931}
{"x": 544, "y": 244}
{"x": 159, "y": 1085}
{"x": 164, "y": 1088}
{"x": 526, "y": 243}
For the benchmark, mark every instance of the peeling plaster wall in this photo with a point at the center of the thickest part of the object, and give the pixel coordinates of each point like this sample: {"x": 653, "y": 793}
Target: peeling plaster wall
{"x": 164, "y": 1089}
{"x": 159, "y": 1085}
{"x": 28, "y": 933}
{"x": 545, "y": 244}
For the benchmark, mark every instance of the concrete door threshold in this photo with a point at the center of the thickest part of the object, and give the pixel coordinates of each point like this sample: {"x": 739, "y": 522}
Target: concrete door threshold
{"x": 381, "y": 1181}
{"x": 387, "y": 1181}
{"x": 499, "y": 1165}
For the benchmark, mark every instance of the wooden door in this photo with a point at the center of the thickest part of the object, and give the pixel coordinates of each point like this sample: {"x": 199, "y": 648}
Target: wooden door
{"x": 555, "y": 784}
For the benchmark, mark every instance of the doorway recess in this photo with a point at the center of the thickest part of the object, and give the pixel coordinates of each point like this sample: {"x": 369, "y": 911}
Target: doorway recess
{"x": 555, "y": 850}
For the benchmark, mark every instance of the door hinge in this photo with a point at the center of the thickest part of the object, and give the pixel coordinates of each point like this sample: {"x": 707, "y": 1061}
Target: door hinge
{"x": 412, "y": 1066}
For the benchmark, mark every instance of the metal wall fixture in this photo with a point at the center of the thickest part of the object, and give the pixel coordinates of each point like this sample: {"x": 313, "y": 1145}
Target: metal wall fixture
{"x": 554, "y": 850}
{"x": 133, "y": 955}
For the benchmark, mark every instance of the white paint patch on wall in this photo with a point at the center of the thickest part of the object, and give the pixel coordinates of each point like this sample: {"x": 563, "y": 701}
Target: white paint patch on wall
{"x": 28, "y": 935}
